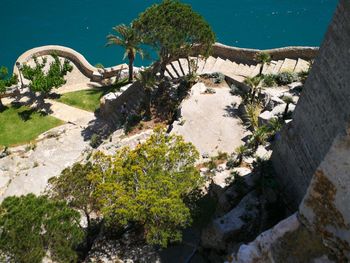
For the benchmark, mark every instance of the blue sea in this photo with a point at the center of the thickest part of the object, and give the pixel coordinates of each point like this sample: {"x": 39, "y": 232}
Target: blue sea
{"x": 84, "y": 24}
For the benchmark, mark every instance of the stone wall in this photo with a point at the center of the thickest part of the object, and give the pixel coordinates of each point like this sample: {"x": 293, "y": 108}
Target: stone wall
{"x": 79, "y": 60}
{"x": 321, "y": 113}
{"x": 245, "y": 55}
{"x": 111, "y": 104}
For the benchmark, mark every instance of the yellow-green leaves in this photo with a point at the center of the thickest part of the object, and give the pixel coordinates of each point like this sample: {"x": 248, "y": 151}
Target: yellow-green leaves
{"x": 147, "y": 185}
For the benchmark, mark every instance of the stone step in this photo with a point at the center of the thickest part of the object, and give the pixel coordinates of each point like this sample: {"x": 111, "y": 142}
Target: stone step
{"x": 218, "y": 64}
{"x": 235, "y": 67}
{"x": 302, "y": 65}
{"x": 288, "y": 65}
{"x": 251, "y": 69}
{"x": 181, "y": 68}
{"x": 277, "y": 67}
{"x": 184, "y": 64}
{"x": 243, "y": 70}
{"x": 171, "y": 71}
{"x": 176, "y": 68}
{"x": 226, "y": 67}
{"x": 255, "y": 71}
{"x": 201, "y": 64}
{"x": 210, "y": 62}
{"x": 268, "y": 67}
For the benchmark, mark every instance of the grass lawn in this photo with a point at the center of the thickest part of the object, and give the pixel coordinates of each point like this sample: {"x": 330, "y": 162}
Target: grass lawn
{"x": 89, "y": 100}
{"x": 21, "y": 125}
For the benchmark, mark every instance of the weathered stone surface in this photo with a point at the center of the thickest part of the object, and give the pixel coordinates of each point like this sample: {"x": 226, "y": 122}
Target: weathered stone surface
{"x": 265, "y": 117}
{"x": 321, "y": 113}
{"x": 325, "y": 208}
{"x": 233, "y": 225}
{"x": 289, "y": 241}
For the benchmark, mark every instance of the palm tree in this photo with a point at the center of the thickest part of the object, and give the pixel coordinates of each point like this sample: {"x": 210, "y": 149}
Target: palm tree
{"x": 128, "y": 38}
{"x": 263, "y": 58}
{"x": 288, "y": 100}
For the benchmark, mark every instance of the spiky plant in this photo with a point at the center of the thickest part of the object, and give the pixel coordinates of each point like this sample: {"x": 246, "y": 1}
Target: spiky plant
{"x": 288, "y": 100}
{"x": 241, "y": 151}
{"x": 128, "y": 38}
{"x": 253, "y": 111}
{"x": 253, "y": 83}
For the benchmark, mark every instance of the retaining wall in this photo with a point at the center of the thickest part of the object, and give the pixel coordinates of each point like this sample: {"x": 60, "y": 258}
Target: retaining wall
{"x": 79, "y": 60}
{"x": 245, "y": 55}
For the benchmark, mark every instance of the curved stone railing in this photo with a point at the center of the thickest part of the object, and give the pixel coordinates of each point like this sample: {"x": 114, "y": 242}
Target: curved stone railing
{"x": 79, "y": 60}
{"x": 245, "y": 55}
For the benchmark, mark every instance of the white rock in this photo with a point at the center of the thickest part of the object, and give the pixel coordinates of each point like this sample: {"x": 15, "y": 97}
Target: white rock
{"x": 262, "y": 153}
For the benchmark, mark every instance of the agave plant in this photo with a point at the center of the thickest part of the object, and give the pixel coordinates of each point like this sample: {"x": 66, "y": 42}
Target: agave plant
{"x": 253, "y": 111}
{"x": 241, "y": 152}
{"x": 253, "y": 83}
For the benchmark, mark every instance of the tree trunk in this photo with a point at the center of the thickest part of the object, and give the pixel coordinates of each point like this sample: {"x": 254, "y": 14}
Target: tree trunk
{"x": 286, "y": 111}
{"x": 148, "y": 103}
{"x": 131, "y": 66}
{"x": 1, "y": 105}
{"x": 261, "y": 69}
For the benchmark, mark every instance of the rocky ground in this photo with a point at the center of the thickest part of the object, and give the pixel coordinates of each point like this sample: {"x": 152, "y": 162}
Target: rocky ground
{"x": 246, "y": 195}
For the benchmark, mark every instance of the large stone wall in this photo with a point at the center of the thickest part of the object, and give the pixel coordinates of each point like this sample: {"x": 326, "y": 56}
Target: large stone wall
{"x": 321, "y": 114}
{"x": 245, "y": 55}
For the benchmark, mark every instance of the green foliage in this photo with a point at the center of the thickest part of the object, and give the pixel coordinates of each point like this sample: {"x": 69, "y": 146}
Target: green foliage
{"x": 285, "y": 78}
{"x": 95, "y": 140}
{"x": 253, "y": 111}
{"x": 74, "y": 187}
{"x": 263, "y": 57}
{"x": 260, "y": 136}
{"x": 30, "y": 225}
{"x": 5, "y": 80}
{"x": 45, "y": 82}
{"x": 269, "y": 80}
{"x": 303, "y": 75}
{"x": 253, "y": 83}
{"x": 173, "y": 29}
{"x": 148, "y": 184}
{"x": 216, "y": 77}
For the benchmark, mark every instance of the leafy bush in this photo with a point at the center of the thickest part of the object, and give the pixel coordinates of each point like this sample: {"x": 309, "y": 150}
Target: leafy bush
{"x": 44, "y": 82}
{"x": 216, "y": 77}
{"x": 286, "y": 78}
{"x": 95, "y": 140}
{"x": 234, "y": 90}
{"x": 269, "y": 80}
{"x": 147, "y": 185}
{"x": 30, "y": 225}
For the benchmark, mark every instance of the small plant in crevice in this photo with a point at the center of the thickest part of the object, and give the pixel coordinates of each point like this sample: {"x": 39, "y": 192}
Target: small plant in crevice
{"x": 95, "y": 140}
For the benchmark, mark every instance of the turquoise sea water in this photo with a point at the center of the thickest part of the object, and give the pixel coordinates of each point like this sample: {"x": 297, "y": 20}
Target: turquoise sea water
{"x": 84, "y": 24}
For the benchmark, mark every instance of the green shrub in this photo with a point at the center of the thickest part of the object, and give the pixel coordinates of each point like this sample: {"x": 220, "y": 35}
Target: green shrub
{"x": 269, "y": 80}
{"x": 95, "y": 140}
{"x": 286, "y": 78}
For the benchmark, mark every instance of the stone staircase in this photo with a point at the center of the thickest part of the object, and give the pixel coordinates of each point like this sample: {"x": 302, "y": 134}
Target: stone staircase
{"x": 236, "y": 71}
